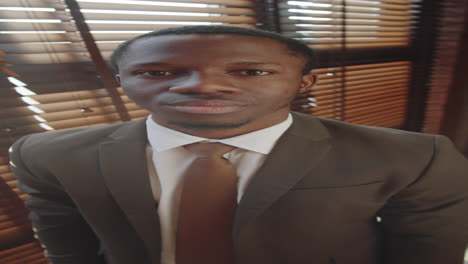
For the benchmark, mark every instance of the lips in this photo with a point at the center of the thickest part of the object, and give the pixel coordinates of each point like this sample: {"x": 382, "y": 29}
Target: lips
{"x": 206, "y": 106}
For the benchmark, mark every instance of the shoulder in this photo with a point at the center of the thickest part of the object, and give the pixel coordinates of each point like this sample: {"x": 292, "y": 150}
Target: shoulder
{"x": 63, "y": 141}
{"x": 396, "y": 156}
{"x": 364, "y": 146}
{"x": 368, "y": 136}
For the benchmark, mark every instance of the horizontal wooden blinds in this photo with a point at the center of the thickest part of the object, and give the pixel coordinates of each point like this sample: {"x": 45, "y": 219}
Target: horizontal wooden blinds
{"x": 30, "y": 253}
{"x": 328, "y": 24}
{"x": 364, "y": 50}
{"x": 369, "y": 94}
{"x": 112, "y": 22}
{"x": 15, "y": 228}
{"x": 17, "y": 242}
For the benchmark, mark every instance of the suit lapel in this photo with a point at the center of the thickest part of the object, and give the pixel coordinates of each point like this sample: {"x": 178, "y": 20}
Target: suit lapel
{"x": 125, "y": 170}
{"x": 296, "y": 153}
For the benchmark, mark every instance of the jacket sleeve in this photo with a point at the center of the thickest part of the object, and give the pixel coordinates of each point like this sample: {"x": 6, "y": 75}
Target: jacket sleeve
{"x": 427, "y": 222}
{"x": 58, "y": 224}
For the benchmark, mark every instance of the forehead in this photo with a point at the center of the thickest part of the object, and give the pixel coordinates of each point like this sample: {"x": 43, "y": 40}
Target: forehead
{"x": 204, "y": 47}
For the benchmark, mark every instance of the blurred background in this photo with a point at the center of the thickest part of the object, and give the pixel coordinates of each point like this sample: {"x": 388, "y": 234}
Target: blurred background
{"x": 389, "y": 63}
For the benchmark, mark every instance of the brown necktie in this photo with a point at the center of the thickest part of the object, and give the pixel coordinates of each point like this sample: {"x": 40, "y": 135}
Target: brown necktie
{"x": 207, "y": 207}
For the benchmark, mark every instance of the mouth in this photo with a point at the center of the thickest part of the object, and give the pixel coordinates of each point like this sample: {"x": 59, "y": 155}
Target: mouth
{"x": 206, "y": 107}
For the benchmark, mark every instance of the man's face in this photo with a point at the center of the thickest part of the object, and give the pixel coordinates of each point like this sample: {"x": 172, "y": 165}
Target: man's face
{"x": 213, "y": 86}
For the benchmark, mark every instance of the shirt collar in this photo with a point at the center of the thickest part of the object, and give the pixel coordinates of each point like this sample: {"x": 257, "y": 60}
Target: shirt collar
{"x": 262, "y": 141}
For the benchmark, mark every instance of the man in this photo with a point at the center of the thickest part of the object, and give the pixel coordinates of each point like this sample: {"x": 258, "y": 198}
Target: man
{"x": 308, "y": 190}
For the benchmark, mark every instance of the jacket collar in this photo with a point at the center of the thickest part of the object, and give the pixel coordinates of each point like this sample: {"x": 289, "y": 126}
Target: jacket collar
{"x": 125, "y": 170}
{"x": 296, "y": 153}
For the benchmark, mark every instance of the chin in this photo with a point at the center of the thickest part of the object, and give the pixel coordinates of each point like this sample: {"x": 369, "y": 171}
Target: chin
{"x": 209, "y": 125}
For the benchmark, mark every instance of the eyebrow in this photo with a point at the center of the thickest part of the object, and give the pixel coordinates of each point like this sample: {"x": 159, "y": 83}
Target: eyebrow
{"x": 241, "y": 63}
{"x": 253, "y": 63}
{"x": 150, "y": 64}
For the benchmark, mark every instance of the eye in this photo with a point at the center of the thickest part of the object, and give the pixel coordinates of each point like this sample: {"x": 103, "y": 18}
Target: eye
{"x": 254, "y": 72}
{"x": 155, "y": 73}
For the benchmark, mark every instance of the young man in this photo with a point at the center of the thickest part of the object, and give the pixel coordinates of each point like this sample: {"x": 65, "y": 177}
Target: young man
{"x": 307, "y": 190}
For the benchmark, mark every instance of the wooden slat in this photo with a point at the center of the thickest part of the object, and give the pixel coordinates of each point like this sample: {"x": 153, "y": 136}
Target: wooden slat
{"x": 35, "y": 37}
{"x": 353, "y": 22}
{"x": 69, "y": 114}
{"x": 16, "y": 214}
{"x": 238, "y": 3}
{"x": 136, "y": 7}
{"x": 375, "y": 103}
{"x": 376, "y": 115}
{"x": 25, "y": 48}
{"x": 362, "y": 45}
{"x": 4, "y": 168}
{"x": 369, "y": 91}
{"x": 17, "y": 250}
{"x": 229, "y": 3}
{"x": 14, "y": 222}
{"x": 13, "y": 14}
{"x": 43, "y": 58}
{"x": 391, "y": 5}
{"x": 290, "y": 28}
{"x": 336, "y": 8}
{"x": 350, "y": 102}
{"x": 357, "y": 42}
{"x": 7, "y": 176}
{"x": 22, "y": 3}
{"x": 17, "y": 234}
{"x": 377, "y": 65}
{"x": 124, "y": 17}
{"x": 350, "y": 15}
{"x": 403, "y": 74}
{"x": 384, "y": 109}
{"x": 3, "y": 161}
{"x": 347, "y": 34}
{"x": 394, "y": 122}
{"x": 12, "y": 26}
{"x": 378, "y": 89}
{"x": 352, "y": 85}
{"x": 34, "y": 258}
{"x": 374, "y": 80}
{"x": 60, "y": 106}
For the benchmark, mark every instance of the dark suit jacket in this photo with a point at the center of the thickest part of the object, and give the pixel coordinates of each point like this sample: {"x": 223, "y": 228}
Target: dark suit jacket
{"x": 315, "y": 199}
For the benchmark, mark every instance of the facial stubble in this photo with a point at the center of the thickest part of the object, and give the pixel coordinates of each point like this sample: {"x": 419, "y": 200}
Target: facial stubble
{"x": 209, "y": 126}
{"x": 216, "y": 126}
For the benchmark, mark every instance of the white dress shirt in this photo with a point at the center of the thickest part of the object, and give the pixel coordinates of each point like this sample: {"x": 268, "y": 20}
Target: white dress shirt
{"x": 167, "y": 160}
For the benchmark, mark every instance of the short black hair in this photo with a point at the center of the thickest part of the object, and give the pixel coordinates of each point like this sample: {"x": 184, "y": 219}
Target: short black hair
{"x": 296, "y": 47}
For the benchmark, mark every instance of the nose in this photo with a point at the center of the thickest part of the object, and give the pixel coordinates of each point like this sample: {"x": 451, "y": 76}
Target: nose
{"x": 195, "y": 82}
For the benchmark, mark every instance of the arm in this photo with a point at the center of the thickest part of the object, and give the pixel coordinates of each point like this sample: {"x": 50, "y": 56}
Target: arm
{"x": 67, "y": 237}
{"x": 427, "y": 222}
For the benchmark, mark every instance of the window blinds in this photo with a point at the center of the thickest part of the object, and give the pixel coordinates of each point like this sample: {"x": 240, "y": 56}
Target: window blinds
{"x": 369, "y": 94}
{"x": 371, "y": 91}
{"x": 336, "y": 24}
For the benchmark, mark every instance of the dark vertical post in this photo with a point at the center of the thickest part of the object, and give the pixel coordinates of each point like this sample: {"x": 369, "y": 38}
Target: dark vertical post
{"x": 455, "y": 120}
{"x": 102, "y": 69}
{"x": 422, "y": 47}
{"x": 268, "y": 15}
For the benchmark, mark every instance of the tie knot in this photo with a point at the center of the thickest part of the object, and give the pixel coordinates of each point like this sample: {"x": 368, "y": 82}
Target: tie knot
{"x": 209, "y": 149}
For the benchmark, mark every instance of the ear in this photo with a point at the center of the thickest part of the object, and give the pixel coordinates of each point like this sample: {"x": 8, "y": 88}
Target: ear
{"x": 117, "y": 78}
{"x": 307, "y": 82}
